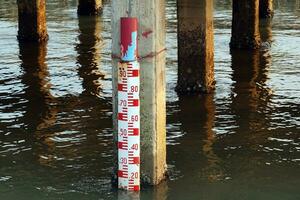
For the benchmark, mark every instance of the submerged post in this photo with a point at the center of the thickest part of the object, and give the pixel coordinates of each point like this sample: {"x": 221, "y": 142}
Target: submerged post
{"x": 89, "y": 7}
{"x": 245, "y": 25}
{"x": 195, "y": 47}
{"x": 266, "y": 9}
{"x": 32, "y": 20}
{"x": 151, "y": 34}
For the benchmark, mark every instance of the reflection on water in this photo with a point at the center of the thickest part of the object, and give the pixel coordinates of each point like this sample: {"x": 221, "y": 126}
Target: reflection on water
{"x": 250, "y": 76}
{"x": 212, "y": 169}
{"x": 251, "y": 96}
{"x": 55, "y": 112}
{"x": 266, "y": 30}
{"x": 197, "y": 118}
{"x": 89, "y": 54}
{"x": 39, "y": 109}
{"x": 194, "y": 157}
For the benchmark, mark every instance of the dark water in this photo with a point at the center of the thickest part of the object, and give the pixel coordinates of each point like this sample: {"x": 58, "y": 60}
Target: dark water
{"x": 242, "y": 142}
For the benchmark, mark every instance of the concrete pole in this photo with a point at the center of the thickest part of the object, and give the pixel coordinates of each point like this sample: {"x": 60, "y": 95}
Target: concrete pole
{"x": 245, "y": 66}
{"x": 195, "y": 47}
{"x": 245, "y": 25}
{"x": 266, "y": 9}
{"x": 151, "y": 34}
{"x": 266, "y": 32}
{"x": 89, "y": 7}
{"x": 32, "y": 20}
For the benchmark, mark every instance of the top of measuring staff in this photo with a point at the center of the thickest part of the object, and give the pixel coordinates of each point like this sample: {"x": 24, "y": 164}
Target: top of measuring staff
{"x": 129, "y": 39}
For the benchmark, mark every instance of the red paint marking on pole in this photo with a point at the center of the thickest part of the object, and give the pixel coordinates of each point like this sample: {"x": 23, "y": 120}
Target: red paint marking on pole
{"x": 152, "y": 54}
{"x": 122, "y": 174}
{"x": 133, "y": 131}
{"x": 134, "y": 160}
{"x": 140, "y": 58}
{"x": 122, "y": 116}
{"x": 122, "y": 145}
{"x": 129, "y": 25}
{"x": 133, "y": 73}
{"x": 134, "y": 187}
{"x": 114, "y": 56}
{"x": 146, "y": 33}
{"x": 122, "y": 87}
{"x": 129, "y": 65}
{"x": 133, "y": 102}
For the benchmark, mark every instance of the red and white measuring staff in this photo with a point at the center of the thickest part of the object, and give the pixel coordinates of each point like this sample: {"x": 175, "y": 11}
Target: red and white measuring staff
{"x": 129, "y": 108}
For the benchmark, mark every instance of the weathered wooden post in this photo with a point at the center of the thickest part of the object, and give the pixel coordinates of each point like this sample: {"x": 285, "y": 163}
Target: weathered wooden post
{"x": 151, "y": 34}
{"x": 89, "y": 7}
{"x": 245, "y": 25}
{"x": 266, "y": 9}
{"x": 32, "y": 20}
{"x": 195, "y": 47}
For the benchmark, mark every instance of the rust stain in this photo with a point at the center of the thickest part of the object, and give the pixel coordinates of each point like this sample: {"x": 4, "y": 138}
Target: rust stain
{"x": 114, "y": 56}
{"x": 152, "y": 54}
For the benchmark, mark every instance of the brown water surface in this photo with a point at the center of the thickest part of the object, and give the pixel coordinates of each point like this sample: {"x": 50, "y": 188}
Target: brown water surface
{"x": 242, "y": 142}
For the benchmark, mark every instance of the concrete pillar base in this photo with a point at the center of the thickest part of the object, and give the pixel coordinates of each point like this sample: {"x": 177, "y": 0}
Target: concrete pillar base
{"x": 245, "y": 42}
{"x": 245, "y": 25}
{"x": 89, "y": 7}
{"x": 195, "y": 47}
{"x": 185, "y": 88}
{"x": 32, "y": 21}
{"x": 266, "y": 9}
{"x": 33, "y": 37}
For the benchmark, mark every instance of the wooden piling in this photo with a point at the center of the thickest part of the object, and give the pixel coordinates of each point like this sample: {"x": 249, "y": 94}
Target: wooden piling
{"x": 195, "y": 47}
{"x": 245, "y": 25}
{"x": 266, "y": 9}
{"x": 89, "y": 7}
{"x": 151, "y": 34}
{"x": 32, "y": 20}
